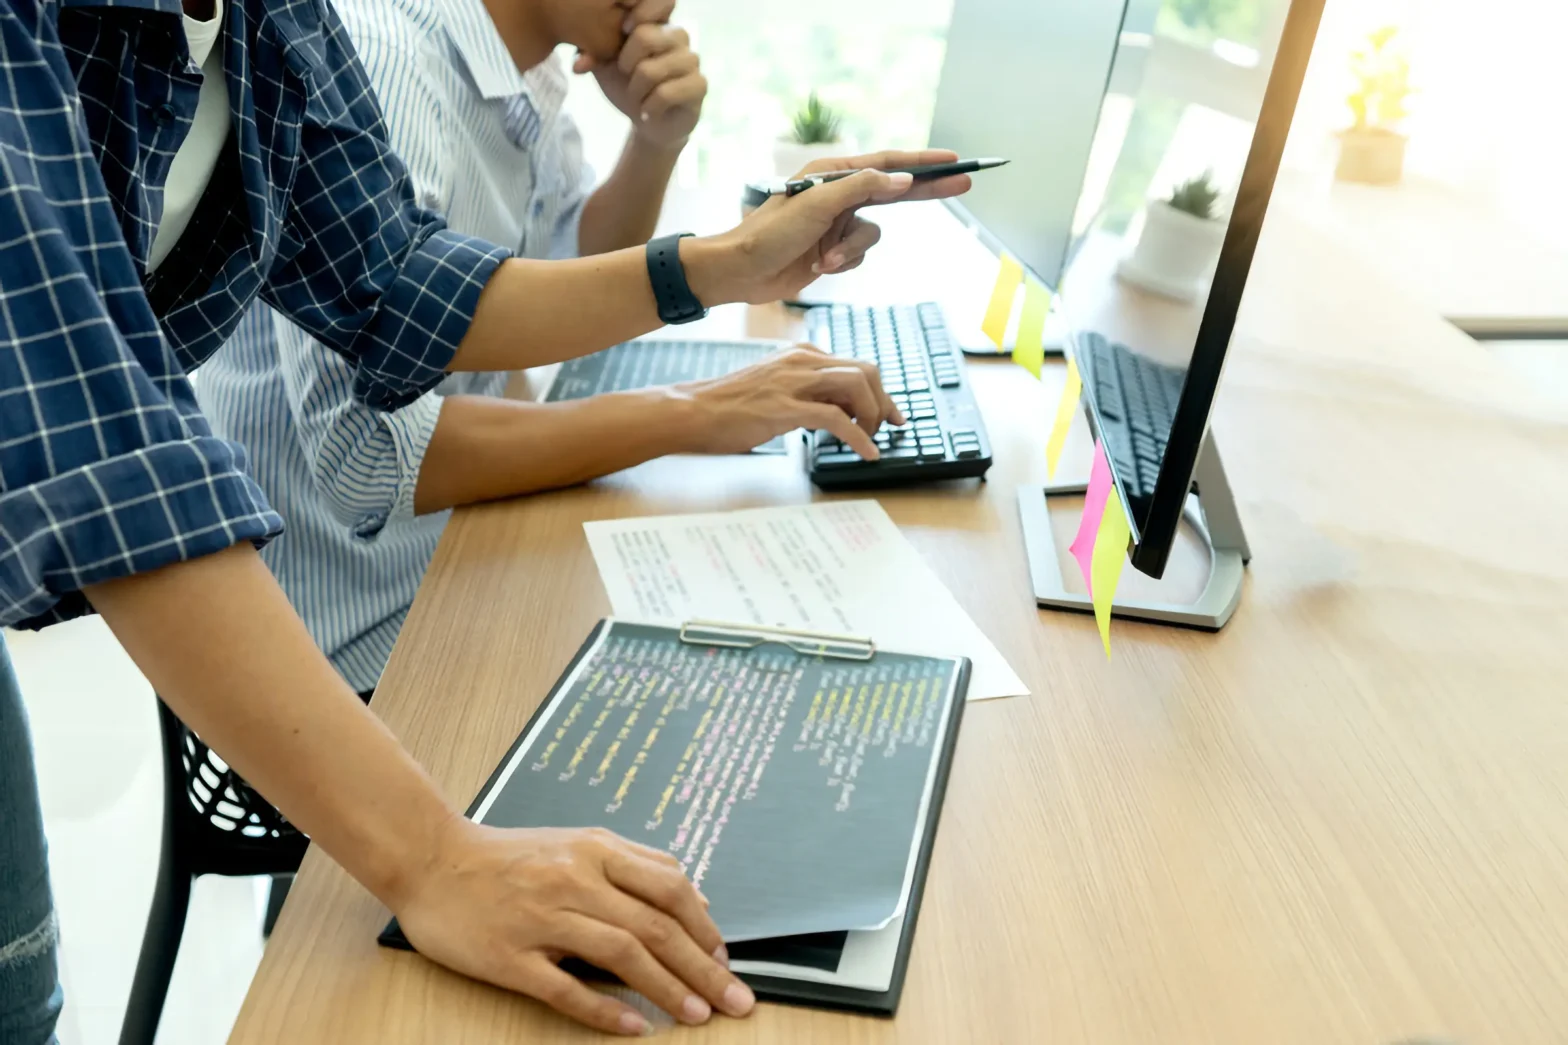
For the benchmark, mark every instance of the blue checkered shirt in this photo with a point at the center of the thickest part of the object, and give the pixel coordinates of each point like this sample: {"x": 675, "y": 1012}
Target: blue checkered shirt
{"x": 107, "y": 467}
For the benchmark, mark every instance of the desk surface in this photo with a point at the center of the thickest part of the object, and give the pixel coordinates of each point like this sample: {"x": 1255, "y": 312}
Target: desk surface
{"x": 1486, "y": 273}
{"x": 1343, "y": 819}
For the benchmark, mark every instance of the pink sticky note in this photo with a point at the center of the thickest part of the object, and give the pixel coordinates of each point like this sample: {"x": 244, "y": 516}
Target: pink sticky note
{"x": 1093, "y": 509}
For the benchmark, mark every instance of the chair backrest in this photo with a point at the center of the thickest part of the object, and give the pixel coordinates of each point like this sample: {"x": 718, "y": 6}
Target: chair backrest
{"x": 222, "y": 825}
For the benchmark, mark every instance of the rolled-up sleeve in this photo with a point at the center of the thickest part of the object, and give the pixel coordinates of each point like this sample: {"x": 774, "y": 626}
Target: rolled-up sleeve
{"x": 365, "y": 459}
{"x": 107, "y": 468}
{"x": 364, "y": 463}
{"x": 367, "y": 271}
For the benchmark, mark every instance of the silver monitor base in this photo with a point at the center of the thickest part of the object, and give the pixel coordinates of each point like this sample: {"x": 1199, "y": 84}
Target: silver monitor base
{"x": 1213, "y": 516}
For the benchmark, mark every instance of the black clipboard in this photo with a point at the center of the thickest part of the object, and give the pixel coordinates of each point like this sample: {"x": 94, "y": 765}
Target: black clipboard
{"x": 806, "y": 951}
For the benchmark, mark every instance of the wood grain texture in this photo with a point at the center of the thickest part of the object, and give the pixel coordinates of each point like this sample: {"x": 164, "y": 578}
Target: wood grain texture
{"x": 1342, "y": 820}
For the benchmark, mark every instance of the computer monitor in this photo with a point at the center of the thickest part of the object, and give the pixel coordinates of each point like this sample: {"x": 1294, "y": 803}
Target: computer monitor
{"x": 1154, "y": 277}
{"x": 1023, "y": 79}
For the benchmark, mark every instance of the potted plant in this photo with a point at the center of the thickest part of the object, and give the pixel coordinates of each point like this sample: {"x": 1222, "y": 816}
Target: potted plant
{"x": 1180, "y": 243}
{"x": 1372, "y": 150}
{"x": 816, "y": 132}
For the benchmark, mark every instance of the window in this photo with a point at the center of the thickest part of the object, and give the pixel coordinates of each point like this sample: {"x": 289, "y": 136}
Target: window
{"x": 1207, "y": 23}
{"x": 878, "y": 61}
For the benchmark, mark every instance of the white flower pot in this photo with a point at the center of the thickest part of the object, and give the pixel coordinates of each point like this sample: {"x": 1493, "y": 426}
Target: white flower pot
{"x": 1371, "y": 157}
{"x": 791, "y": 157}
{"x": 1175, "y": 254}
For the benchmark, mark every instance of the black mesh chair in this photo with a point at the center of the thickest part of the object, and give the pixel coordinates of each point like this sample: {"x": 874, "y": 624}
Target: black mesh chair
{"x": 213, "y": 823}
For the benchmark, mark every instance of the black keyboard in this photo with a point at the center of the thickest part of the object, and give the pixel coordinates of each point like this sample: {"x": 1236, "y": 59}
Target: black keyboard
{"x": 1136, "y": 400}
{"x": 923, "y": 372}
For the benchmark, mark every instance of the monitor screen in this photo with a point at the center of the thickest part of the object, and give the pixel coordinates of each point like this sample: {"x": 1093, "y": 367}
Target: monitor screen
{"x": 1184, "y": 158}
{"x": 1023, "y": 79}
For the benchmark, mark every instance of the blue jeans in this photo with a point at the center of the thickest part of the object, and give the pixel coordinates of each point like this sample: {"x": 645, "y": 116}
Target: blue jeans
{"x": 30, "y": 995}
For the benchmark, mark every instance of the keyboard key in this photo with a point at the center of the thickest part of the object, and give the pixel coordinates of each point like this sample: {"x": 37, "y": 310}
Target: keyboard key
{"x": 932, "y": 454}
{"x": 924, "y": 413}
{"x": 948, "y": 380}
{"x": 901, "y": 453}
{"x": 966, "y": 453}
{"x": 842, "y": 459}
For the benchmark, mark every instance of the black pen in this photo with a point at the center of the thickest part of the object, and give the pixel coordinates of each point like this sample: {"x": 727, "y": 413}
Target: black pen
{"x": 928, "y": 172}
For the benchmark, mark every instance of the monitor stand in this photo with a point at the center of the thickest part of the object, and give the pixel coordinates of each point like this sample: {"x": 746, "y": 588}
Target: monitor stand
{"x": 1213, "y": 516}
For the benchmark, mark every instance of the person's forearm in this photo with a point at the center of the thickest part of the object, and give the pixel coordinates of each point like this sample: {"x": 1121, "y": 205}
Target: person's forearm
{"x": 537, "y": 312}
{"x": 221, "y": 645}
{"x": 624, "y": 211}
{"x": 484, "y": 449}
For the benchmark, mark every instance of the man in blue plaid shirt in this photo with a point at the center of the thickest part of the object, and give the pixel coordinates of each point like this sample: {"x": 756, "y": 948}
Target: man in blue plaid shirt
{"x": 162, "y": 166}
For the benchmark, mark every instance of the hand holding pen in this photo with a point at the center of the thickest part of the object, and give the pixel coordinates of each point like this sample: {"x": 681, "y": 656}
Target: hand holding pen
{"x": 759, "y": 192}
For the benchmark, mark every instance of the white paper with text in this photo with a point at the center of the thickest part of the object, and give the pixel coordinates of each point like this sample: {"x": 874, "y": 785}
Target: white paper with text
{"x": 840, "y": 567}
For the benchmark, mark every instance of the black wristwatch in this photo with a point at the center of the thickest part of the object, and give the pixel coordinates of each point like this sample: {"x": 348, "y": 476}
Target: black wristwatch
{"x": 677, "y": 304}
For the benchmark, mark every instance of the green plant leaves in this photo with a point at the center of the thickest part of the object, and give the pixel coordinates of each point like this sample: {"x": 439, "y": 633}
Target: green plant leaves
{"x": 1197, "y": 196}
{"x": 817, "y": 123}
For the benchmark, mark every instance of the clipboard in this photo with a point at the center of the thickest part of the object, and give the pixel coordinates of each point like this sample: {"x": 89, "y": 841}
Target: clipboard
{"x": 803, "y": 969}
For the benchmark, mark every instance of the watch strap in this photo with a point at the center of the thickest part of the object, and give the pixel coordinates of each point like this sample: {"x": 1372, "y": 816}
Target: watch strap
{"x": 677, "y": 304}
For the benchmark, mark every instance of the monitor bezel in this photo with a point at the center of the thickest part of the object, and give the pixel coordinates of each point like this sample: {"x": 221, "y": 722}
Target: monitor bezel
{"x": 1152, "y": 541}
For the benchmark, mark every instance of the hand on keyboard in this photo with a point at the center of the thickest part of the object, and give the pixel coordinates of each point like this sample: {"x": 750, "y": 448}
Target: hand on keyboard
{"x": 797, "y": 388}
{"x": 941, "y": 436}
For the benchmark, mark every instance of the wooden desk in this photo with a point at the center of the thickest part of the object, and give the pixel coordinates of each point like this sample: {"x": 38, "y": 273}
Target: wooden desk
{"x": 1488, "y": 274}
{"x": 1344, "y": 819}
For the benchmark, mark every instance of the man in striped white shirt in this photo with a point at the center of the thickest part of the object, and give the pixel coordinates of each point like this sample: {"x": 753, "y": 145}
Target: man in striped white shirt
{"x": 473, "y": 99}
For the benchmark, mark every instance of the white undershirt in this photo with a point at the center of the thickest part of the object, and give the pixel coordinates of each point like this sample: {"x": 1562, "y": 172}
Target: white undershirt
{"x": 198, "y": 153}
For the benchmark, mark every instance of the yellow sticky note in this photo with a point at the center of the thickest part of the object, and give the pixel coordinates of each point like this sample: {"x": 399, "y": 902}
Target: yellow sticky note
{"x": 1001, "y": 308}
{"x": 1029, "y": 352}
{"x": 1064, "y": 417}
{"x": 1110, "y": 553}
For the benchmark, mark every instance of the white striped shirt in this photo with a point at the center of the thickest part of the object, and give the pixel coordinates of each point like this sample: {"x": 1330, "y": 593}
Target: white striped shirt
{"x": 490, "y": 147}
